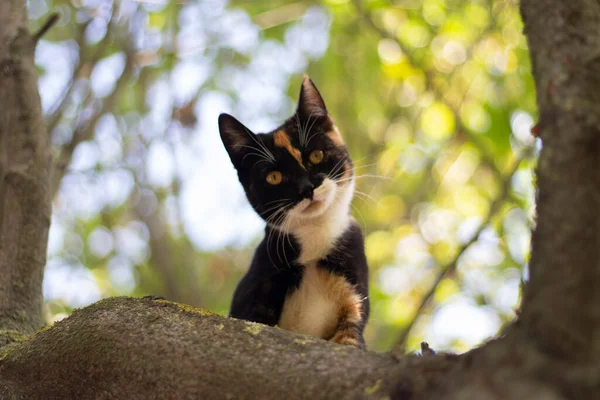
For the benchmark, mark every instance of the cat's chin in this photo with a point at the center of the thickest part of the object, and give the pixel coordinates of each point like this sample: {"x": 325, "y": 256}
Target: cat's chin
{"x": 310, "y": 208}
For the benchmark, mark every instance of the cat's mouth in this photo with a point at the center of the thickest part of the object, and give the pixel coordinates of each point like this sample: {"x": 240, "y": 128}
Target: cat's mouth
{"x": 322, "y": 198}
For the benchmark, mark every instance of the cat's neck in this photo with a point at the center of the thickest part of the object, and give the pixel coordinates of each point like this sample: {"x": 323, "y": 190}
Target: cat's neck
{"x": 317, "y": 236}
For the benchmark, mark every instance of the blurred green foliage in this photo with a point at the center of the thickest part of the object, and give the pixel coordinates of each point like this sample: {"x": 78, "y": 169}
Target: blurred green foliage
{"x": 434, "y": 99}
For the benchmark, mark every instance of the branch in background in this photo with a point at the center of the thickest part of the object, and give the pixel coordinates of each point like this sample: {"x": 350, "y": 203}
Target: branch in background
{"x": 85, "y": 130}
{"x": 89, "y": 64}
{"x": 58, "y": 109}
{"x": 280, "y": 15}
{"x": 451, "y": 267}
{"x": 50, "y": 22}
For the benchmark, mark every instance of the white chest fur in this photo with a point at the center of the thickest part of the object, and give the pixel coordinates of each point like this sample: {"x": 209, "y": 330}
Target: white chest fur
{"x": 322, "y": 298}
{"x": 318, "y": 235}
{"x": 318, "y": 238}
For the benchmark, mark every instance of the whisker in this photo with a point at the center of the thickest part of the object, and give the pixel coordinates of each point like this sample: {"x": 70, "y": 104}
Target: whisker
{"x": 277, "y": 244}
{"x": 289, "y": 221}
{"x": 363, "y": 166}
{"x": 300, "y": 130}
{"x": 259, "y": 152}
{"x": 366, "y": 196}
{"x": 286, "y": 236}
{"x": 272, "y": 233}
{"x": 278, "y": 233}
{"x": 305, "y": 128}
{"x": 275, "y": 207}
{"x": 364, "y": 176}
{"x": 340, "y": 164}
{"x": 261, "y": 145}
{"x": 311, "y": 126}
{"x": 270, "y": 221}
{"x": 364, "y": 224}
{"x": 275, "y": 201}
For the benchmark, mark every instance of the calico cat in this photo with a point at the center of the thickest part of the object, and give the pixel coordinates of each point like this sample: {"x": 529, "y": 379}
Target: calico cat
{"x": 309, "y": 274}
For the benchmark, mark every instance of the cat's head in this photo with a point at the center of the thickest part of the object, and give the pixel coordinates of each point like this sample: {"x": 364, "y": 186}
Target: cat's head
{"x": 300, "y": 171}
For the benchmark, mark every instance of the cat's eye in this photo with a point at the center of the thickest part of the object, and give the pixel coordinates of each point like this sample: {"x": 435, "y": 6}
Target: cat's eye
{"x": 315, "y": 157}
{"x": 274, "y": 177}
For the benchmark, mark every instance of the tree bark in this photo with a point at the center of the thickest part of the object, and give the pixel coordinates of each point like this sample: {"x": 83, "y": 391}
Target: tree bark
{"x": 560, "y": 307}
{"x": 24, "y": 177}
{"x": 144, "y": 349}
{"x": 148, "y": 348}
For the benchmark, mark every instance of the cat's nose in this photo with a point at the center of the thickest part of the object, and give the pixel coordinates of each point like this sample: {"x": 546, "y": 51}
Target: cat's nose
{"x": 305, "y": 189}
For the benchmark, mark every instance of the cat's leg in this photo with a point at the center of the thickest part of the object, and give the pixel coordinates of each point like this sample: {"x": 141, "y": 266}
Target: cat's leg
{"x": 349, "y": 330}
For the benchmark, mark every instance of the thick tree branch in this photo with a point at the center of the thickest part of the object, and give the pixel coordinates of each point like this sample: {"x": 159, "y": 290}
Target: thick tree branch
{"x": 140, "y": 349}
{"x": 154, "y": 349}
{"x": 560, "y": 303}
{"x": 24, "y": 170}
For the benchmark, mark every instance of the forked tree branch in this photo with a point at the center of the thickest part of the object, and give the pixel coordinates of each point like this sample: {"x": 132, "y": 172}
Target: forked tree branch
{"x": 450, "y": 268}
{"x": 85, "y": 129}
{"x": 85, "y": 66}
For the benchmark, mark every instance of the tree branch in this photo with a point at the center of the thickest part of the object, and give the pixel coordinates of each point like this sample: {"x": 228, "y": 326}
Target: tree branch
{"x": 86, "y": 129}
{"x": 56, "y": 114}
{"x": 83, "y": 64}
{"x": 50, "y": 22}
{"x": 148, "y": 348}
{"x": 155, "y": 349}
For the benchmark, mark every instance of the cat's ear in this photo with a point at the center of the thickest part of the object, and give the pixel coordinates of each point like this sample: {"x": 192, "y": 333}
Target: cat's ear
{"x": 310, "y": 103}
{"x": 236, "y": 138}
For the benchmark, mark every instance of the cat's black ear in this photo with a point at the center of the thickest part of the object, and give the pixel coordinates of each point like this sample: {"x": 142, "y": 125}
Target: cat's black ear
{"x": 310, "y": 103}
{"x": 236, "y": 138}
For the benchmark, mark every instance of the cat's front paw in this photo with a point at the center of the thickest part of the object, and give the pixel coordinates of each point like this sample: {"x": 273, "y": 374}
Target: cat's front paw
{"x": 345, "y": 339}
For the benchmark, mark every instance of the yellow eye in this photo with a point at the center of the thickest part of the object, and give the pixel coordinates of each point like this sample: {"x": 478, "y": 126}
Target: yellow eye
{"x": 316, "y": 157}
{"x": 274, "y": 177}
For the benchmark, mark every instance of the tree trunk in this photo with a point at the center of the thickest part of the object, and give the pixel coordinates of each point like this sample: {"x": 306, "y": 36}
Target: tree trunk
{"x": 560, "y": 306}
{"x": 147, "y": 348}
{"x": 24, "y": 177}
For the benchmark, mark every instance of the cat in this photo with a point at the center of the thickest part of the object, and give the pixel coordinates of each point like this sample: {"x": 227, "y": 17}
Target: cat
{"x": 309, "y": 274}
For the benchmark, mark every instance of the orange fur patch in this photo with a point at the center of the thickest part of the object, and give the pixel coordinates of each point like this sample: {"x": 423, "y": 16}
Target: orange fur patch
{"x": 283, "y": 140}
{"x": 346, "y": 339}
{"x": 318, "y": 305}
